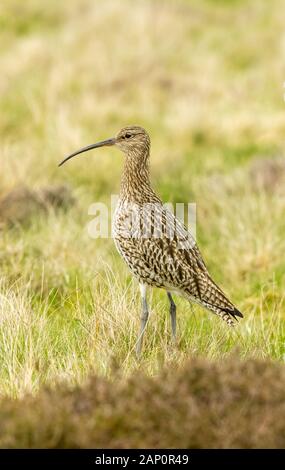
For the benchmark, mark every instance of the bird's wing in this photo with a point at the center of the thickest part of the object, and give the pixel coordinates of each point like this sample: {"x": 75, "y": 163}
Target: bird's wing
{"x": 200, "y": 286}
{"x": 163, "y": 249}
{"x": 170, "y": 258}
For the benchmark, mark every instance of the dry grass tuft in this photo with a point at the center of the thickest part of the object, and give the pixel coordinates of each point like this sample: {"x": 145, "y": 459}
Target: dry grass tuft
{"x": 21, "y": 205}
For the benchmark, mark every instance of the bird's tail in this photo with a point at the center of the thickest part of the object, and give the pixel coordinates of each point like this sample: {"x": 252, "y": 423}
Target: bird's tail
{"x": 228, "y": 314}
{"x": 216, "y": 301}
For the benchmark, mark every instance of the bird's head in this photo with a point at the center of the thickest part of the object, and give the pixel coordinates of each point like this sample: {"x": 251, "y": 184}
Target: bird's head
{"x": 132, "y": 140}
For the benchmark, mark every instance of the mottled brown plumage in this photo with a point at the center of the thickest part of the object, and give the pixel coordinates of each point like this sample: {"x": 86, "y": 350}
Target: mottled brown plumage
{"x": 156, "y": 246}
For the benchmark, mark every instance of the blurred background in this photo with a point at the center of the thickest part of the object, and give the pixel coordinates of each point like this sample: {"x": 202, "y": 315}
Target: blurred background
{"x": 205, "y": 78}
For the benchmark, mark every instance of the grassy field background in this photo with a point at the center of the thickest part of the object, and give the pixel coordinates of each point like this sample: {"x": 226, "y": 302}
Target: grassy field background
{"x": 205, "y": 78}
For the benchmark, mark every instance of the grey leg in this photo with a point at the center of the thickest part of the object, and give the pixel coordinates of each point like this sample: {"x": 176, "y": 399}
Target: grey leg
{"x": 172, "y": 315}
{"x": 144, "y": 318}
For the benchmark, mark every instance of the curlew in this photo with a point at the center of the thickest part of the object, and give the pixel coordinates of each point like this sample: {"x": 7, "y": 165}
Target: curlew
{"x": 157, "y": 247}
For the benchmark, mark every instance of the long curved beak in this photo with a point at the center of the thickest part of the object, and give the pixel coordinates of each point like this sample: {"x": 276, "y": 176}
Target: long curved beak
{"x": 103, "y": 143}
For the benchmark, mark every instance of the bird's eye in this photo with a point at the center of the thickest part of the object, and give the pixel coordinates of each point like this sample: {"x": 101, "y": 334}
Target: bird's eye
{"x": 128, "y": 135}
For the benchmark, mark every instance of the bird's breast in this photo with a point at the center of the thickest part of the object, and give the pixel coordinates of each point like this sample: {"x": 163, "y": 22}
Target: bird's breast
{"x": 127, "y": 221}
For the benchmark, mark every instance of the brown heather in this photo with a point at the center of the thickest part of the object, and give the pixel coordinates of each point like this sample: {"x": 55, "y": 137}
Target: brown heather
{"x": 200, "y": 405}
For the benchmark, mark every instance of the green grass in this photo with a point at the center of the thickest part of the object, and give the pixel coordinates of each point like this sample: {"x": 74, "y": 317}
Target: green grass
{"x": 78, "y": 72}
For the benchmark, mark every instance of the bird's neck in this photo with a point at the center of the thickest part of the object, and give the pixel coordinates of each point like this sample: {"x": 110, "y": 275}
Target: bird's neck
{"x": 135, "y": 182}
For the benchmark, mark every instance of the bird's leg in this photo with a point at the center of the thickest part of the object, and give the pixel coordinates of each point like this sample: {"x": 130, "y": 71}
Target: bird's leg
{"x": 172, "y": 315}
{"x": 144, "y": 318}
